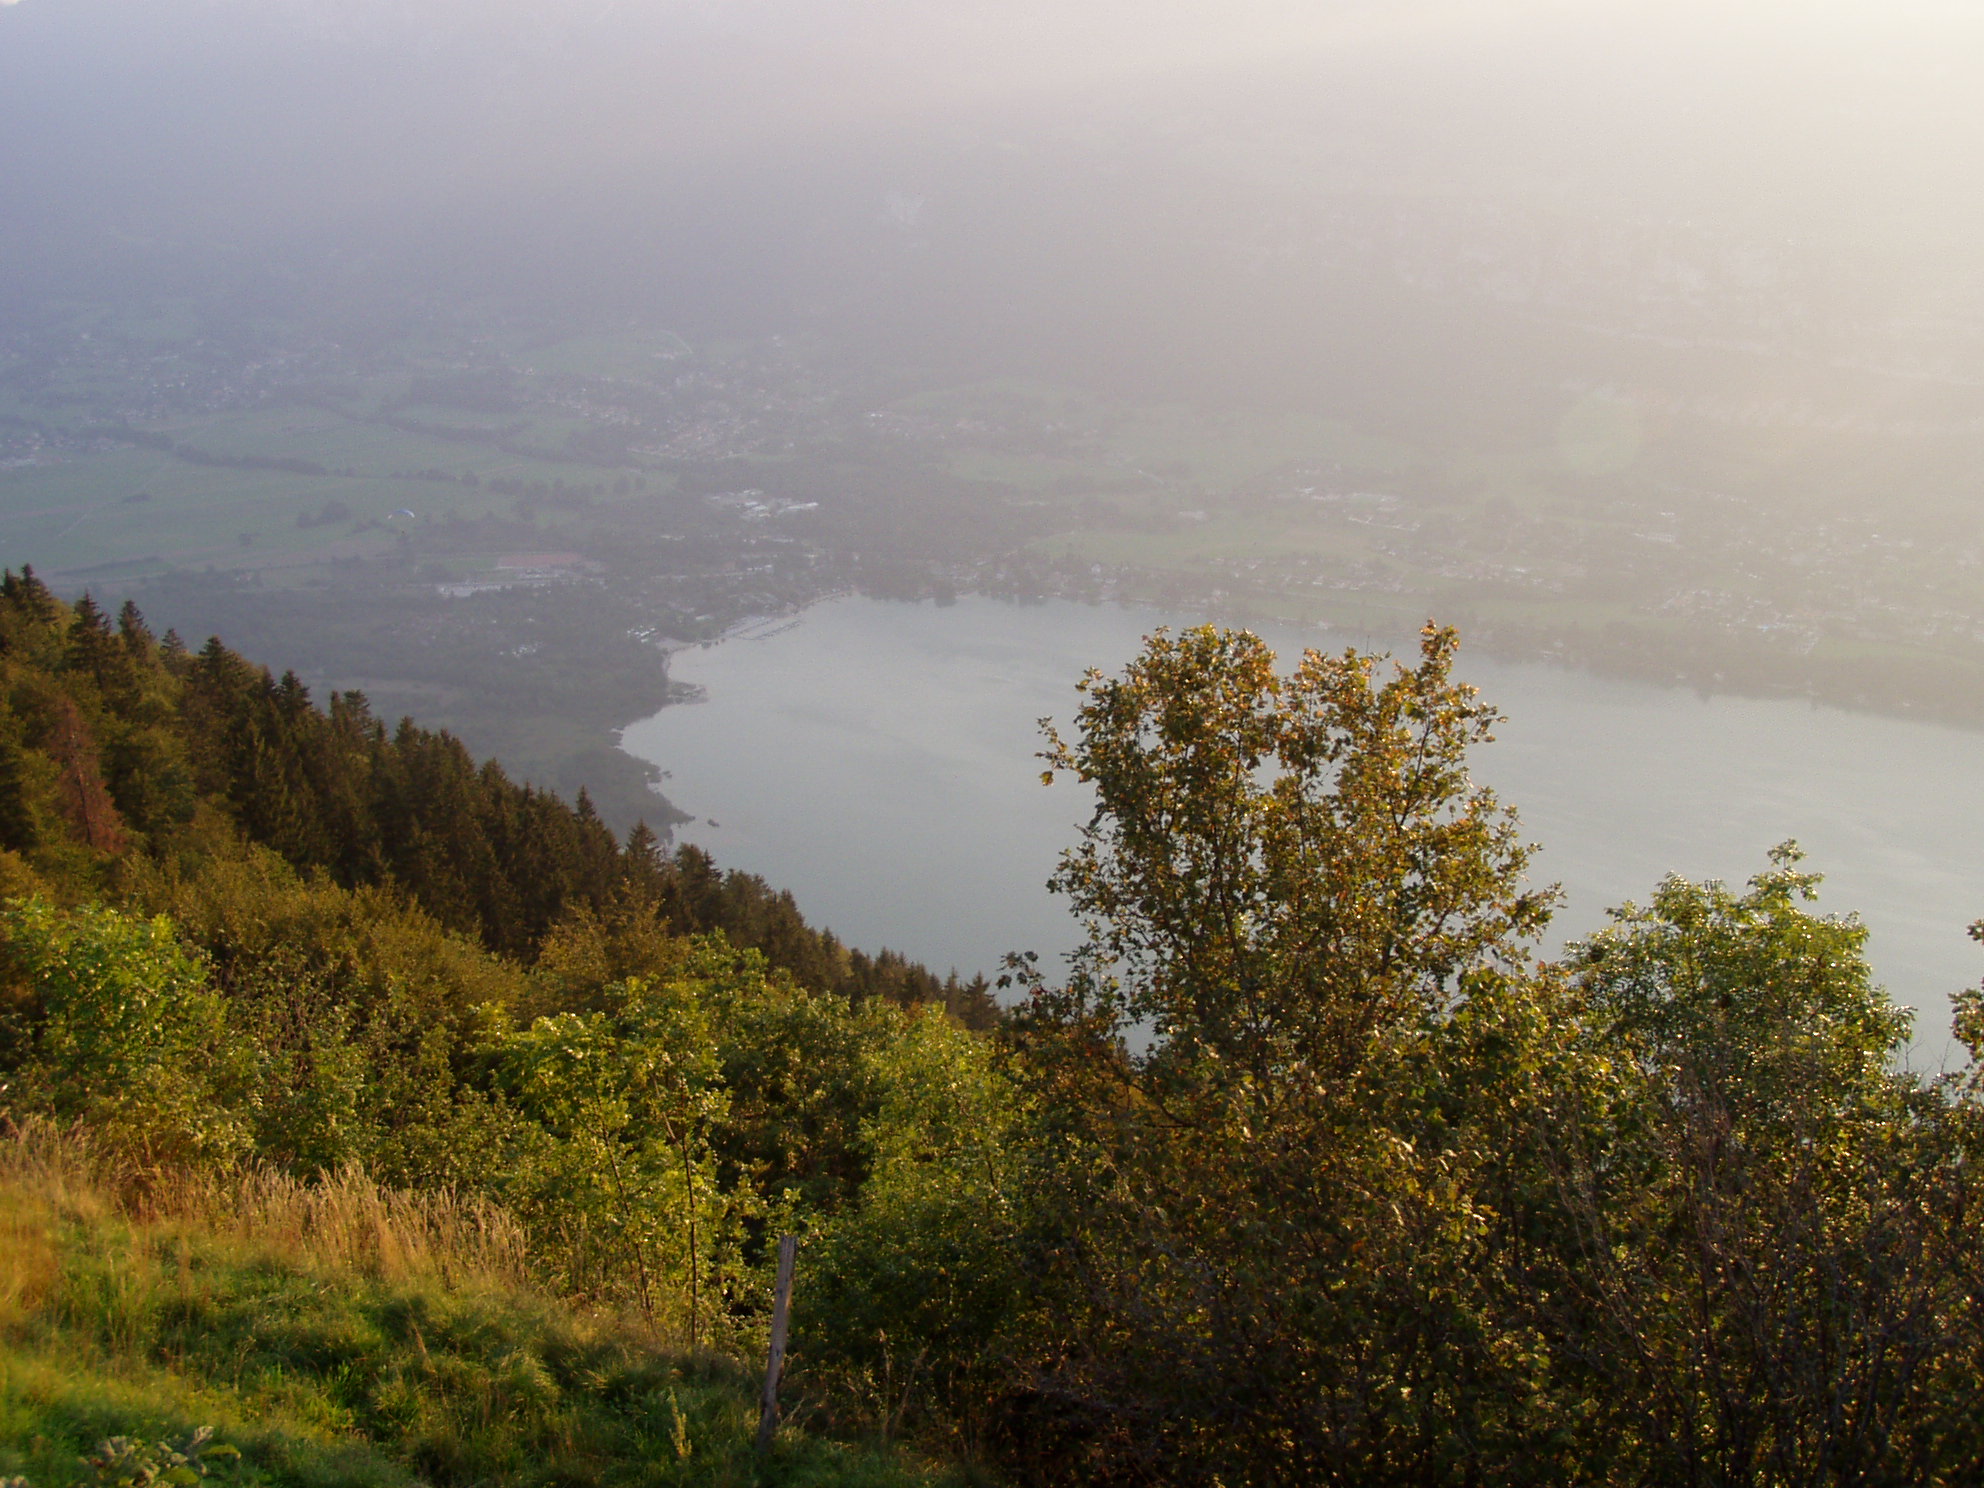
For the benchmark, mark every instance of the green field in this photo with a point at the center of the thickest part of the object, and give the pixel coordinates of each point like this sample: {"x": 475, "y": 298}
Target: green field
{"x": 77, "y": 500}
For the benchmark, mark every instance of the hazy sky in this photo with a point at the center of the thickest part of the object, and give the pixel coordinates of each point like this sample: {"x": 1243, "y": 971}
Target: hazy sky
{"x": 372, "y": 98}
{"x": 776, "y": 158}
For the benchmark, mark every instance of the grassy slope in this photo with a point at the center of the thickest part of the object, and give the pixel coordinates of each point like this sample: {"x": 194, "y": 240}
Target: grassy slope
{"x": 341, "y": 1336}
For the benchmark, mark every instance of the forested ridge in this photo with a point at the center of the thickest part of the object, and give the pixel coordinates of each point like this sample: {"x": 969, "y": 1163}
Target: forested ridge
{"x": 1306, "y": 1167}
{"x": 115, "y": 742}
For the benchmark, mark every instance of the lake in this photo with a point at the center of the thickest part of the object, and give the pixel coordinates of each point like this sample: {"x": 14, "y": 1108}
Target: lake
{"x": 877, "y": 759}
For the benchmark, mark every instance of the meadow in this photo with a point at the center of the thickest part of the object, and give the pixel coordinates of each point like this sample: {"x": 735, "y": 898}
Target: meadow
{"x": 342, "y": 1333}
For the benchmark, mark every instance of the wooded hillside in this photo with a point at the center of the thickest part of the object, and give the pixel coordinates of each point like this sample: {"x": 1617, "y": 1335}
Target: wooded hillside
{"x": 1305, "y": 1168}
{"x": 114, "y": 743}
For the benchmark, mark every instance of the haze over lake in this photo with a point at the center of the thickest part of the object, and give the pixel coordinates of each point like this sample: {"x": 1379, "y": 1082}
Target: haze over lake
{"x": 878, "y": 760}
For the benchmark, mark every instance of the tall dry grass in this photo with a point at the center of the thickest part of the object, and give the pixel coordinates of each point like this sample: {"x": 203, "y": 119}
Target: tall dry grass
{"x": 341, "y": 1221}
{"x": 340, "y": 1332}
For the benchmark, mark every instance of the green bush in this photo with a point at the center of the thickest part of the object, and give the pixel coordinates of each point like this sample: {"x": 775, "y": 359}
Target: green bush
{"x": 114, "y": 1027}
{"x": 910, "y": 1291}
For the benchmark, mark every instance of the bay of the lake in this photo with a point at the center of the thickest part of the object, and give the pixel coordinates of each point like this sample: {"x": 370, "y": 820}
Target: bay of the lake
{"x": 878, "y": 760}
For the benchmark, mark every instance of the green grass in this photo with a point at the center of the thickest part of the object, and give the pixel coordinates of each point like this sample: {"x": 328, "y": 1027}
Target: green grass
{"x": 337, "y": 1338}
{"x": 76, "y": 515}
{"x": 80, "y": 510}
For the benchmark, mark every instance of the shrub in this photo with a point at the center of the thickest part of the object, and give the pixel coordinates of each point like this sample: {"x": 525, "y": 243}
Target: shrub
{"x": 112, "y": 1025}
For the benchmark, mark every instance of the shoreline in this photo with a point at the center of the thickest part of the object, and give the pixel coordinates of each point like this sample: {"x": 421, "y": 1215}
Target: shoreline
{"x": 1374, "y": 642}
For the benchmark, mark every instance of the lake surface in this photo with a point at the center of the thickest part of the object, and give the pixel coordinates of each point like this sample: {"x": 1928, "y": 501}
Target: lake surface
{"x": 878, "y": 760}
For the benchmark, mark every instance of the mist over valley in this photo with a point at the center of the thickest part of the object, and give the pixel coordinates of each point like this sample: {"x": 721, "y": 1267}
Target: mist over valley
{"x": 849, "y": 820}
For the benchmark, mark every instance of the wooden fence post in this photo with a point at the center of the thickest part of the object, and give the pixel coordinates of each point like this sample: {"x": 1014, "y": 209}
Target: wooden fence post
{"x": 788, "y": 1253}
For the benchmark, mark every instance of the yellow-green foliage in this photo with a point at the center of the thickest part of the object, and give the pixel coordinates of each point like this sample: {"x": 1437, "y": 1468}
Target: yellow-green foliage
{"x": 616, "y": 1157}
{"x": 649, "y": 1141}
{"x": 124, "y": 759}
{"x": 1307, "y": 1171}
{"x": 662, "y": 1133}
{"x": 341, "y": 1334}
{"x": 356, "y": 1004}
{"x": 911, "y": 1291}
{"x": 116, "y": 1028}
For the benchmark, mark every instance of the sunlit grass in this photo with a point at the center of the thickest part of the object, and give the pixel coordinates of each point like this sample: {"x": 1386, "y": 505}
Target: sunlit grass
{"x": 343, "y": 1334}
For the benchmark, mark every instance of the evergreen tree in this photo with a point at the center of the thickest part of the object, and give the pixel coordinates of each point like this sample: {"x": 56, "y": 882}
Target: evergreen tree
{"x": 130, "y": 737}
